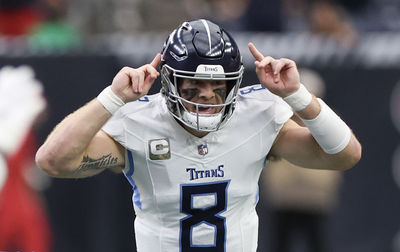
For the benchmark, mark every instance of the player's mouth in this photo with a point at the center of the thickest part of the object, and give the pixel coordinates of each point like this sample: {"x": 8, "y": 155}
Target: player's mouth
{"x": 207, "y": 110}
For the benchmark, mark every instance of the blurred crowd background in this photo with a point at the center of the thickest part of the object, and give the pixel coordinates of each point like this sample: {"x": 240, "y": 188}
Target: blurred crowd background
{"x": 90, "y": 17}
{"x": 348, "y": 52}
{"x": 363, "y": 31}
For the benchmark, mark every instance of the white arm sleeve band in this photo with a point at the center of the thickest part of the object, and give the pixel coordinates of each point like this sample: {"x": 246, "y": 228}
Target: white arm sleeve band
{"x": 331, "y": 132}
{"x": 110, "y": 101}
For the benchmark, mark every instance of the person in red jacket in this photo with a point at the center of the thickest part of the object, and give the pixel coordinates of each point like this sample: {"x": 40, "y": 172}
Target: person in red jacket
{"x": 24, "y": 224}
{"x": 18, "y": 17}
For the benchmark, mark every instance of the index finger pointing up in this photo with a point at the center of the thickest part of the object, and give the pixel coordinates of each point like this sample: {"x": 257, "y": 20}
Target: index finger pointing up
{"x": 256, "y": 54}
{"x": 156, "y": 60}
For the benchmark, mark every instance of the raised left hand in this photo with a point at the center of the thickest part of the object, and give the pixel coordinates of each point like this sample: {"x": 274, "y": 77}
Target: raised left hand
{"x": 280, "y": 76}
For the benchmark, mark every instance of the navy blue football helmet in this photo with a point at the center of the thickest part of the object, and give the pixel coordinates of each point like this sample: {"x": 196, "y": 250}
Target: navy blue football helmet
{"x": 200, "y": 49}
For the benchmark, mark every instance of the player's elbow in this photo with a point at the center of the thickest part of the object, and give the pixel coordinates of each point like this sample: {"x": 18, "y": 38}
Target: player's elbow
{"x": 46, "y": 161}
{"x": 50, "y": 163}
{"x": 351, "y": 156}
{"x": 356, "y": 155}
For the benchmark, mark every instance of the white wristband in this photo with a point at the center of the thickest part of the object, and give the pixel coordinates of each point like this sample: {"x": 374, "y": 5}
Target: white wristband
{"x": 110, "y": 101}
{"x": 329, "y": 130}
{"x": 300, "y": 99}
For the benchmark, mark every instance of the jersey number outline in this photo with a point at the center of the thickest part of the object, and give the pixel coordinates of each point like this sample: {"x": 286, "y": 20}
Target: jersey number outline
{"x": 210, "y": 215}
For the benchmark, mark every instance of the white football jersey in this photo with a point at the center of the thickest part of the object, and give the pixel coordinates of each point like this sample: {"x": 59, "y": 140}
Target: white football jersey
{"x": 197, "y": 194}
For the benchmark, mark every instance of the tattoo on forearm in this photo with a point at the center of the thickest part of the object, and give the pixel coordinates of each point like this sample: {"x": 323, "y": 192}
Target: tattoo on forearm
{"x": 89, "y": 163}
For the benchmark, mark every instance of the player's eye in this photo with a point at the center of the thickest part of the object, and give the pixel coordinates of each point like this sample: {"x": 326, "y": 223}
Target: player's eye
{"x": 189, "y": 93}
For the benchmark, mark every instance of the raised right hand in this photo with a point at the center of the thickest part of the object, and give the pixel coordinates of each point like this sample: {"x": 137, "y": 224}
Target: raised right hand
{"x": 130, "y": 84}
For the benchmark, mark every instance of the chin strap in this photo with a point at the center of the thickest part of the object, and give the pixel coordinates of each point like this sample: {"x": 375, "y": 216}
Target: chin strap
{"x": 202, "y": 122}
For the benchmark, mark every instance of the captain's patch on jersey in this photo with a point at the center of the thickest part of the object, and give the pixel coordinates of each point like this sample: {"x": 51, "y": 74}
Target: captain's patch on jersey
{"x": 159, "y": 149}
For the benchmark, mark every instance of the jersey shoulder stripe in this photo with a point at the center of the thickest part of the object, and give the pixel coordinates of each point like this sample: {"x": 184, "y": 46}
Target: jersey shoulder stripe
{"x": 143, "y": 103}
{"x": 256, "y": 91}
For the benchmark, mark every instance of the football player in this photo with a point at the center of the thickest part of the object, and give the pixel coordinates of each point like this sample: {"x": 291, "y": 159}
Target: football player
{"x": 194, "y": 151}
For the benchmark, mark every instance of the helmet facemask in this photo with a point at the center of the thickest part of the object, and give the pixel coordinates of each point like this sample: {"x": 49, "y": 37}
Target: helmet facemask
{"x": 200, "y": 50}
{"x": 195, "y": 119}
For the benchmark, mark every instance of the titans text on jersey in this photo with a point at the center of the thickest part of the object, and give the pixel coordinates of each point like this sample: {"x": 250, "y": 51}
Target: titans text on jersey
{"x": 212, "y": 173}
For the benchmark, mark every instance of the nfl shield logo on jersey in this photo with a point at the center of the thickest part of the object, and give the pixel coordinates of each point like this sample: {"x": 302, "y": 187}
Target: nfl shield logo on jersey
{"x": 203, "y": 149}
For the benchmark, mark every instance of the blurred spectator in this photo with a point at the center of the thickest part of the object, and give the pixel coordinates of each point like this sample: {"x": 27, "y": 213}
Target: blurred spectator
{"x": 296, "y": 15}
{"x": 23, "y": 219}
{"x": 321, "y": 17}
{"x": 17, "y": 17}
{"x": 300, "y": 199}
{"x": 54, "y": 33}
{"x": 329, "y": 19}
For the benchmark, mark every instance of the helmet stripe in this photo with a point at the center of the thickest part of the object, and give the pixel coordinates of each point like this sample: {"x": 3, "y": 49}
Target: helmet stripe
{"x": 208, "y": 32}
